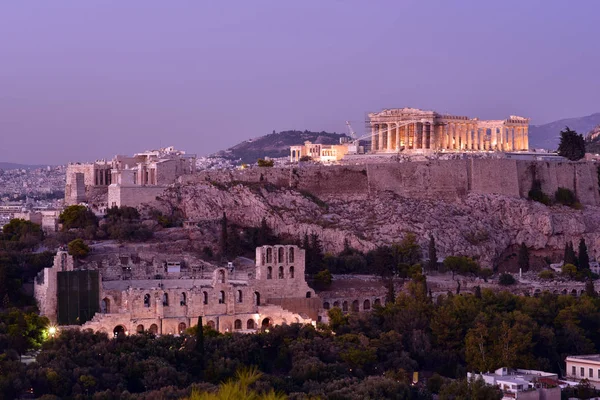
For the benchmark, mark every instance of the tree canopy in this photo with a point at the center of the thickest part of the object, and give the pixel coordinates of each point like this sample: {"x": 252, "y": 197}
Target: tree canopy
{"x": 572, "y": 145}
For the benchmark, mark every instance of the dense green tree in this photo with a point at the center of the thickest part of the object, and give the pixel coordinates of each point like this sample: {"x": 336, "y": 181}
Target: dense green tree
{"x": 565, "y": 197}
{"x": 461, "y": 265}
{"x": 572, "y": 145}
{"x": 506, "y": 279}
{"x": 26, "y": 232}
{"x": 569, "y": 270}
{"x": 323, "y": 279}
{"x": 475, "y": 389}
{"x": 265, "y": 163}
{"x": 78, "y": 248}
{"x": 77, "y": 217}
{"x": 523, "y": 258}
{"x": 583, "y": 260}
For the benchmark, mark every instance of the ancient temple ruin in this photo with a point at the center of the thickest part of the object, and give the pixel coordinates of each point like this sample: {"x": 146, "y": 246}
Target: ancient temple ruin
{"x": 401, "y": 129}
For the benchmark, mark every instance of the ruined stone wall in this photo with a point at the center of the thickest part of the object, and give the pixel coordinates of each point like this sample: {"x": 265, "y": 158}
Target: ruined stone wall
{"x": 442, "y": 179}
{"x": 132, "y": 196}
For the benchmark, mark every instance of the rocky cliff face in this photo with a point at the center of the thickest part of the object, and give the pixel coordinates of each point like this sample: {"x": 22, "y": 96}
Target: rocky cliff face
{"x": 477, "y": 225}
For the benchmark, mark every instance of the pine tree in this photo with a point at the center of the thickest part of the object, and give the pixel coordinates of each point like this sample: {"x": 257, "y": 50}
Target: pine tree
{"x": 572, "y": 145}
{"x": 432, "y": 264}
{"x": 224, "y": 236}
{"x": 524, "y": 257}
{"x": 583, "y": 259}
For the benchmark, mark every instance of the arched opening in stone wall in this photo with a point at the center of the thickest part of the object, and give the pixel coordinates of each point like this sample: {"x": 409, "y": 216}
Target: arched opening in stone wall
{"x": 257, "y": 298}
{"x": 366, "y": 305}
{"x": 326, "y": 306}
{"x": 336, "y": 304}
{"x": 147, "y": 300}
{"x": 250, "y": 324}
{"x": 181, "y": 327}
{"x": 281, "y": 255}
{"x": 182, "y": 299}
{"x": 574, "y": 292}
{"x": 165, "y": 299}
{"x": 119, "y": 331}
{"x": 266, "y": 323}
{"x": 153, "y": 329}
{"x": 355, "y": 306}
{"x": 291, "y": 255}
{"x": 140, "y": 328}
{"x": 221, "y": 297}
{"x": 308, "y": 295}
{"x": 269, "y": 255}
{"x": 204, "y": 297}
{"x": 292, "y": 272}
{"x": 269, "y": 273}
{"x": 280, "y": 273}
{"x": 211, "y": 324}
{"x": 239, "y": 296}
{"x": 345, "y": 306}
{"x": 564, "y": 292}
{"x": 237, "y": 324}
{"x": 377, "y": 302}
{"x": 105, "y": 306}
{"x": 221, "y": 276}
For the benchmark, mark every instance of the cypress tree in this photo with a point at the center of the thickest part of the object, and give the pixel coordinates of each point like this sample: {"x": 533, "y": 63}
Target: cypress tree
{"x": 524, "y": 257}
{"x": 432, "y": 264}
{"x": 570, "y": 257}
{"x": 583, "y": 258}
{"x": 200, "y": 344}
{"x": 590, "y": 290}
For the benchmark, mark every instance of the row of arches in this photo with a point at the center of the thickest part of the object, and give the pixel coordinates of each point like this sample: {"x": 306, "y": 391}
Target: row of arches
{"x": 280, "y": 273}
{"x": 105, "y": 304}
{"x": 355, "y": 306}
{"x": 279, "y": 257}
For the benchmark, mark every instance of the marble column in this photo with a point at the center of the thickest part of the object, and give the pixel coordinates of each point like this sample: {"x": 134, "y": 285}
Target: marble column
{"x": 373, "y": 141}
{"x": 526, "y": 138}
{"x": 380, "y": 134}
{"x": 390, "y": 146}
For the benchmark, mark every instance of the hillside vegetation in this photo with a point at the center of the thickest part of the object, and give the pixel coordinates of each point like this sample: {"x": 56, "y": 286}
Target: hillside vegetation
{"x": 276, "y": 144}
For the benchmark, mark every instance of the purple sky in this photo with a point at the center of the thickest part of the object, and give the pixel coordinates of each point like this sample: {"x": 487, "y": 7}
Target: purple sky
{"x": 81, "y": 80}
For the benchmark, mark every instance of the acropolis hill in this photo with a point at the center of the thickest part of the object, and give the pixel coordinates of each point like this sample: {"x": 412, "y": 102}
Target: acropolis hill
{"x": 471, "y": 207}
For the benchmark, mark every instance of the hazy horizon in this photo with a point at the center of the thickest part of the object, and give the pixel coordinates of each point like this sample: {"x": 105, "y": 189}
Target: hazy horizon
{"x": 86, "y": 80}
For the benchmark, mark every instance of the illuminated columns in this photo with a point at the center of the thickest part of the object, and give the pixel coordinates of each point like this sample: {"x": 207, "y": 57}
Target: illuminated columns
{"x": 373, "y": 141}
{"x": 389, "y": 146}
{"x": 380, "y": 134}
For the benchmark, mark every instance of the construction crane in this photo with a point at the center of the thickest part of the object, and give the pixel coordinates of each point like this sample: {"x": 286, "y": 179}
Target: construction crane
{"x": 352, "y": 133}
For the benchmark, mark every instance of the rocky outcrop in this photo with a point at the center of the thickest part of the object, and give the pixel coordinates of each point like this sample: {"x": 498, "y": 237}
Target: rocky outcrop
{"x": 477, "y": 225}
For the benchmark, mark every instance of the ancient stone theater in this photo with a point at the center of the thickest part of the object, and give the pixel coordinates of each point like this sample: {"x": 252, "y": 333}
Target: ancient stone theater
{"x": 136, "y": 292}
{"x": 400, "y": 129}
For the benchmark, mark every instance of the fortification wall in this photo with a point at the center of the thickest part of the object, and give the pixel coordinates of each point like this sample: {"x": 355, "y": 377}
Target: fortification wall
{"x": 442, "y": 179}
{"x": 581, "y": 178}
{"x": 132, "y": 196}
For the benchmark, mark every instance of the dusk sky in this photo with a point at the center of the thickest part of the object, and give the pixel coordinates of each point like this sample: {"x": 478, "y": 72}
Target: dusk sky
{"x": 81, "y": 80}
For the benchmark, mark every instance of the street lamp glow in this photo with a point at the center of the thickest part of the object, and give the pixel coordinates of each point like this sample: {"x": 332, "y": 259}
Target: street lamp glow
{"x": 52, "y": 331}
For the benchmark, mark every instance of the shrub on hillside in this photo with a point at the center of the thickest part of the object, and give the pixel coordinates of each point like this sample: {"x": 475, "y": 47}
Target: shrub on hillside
{"x": 546, "y": 274}
{"x": 506, "y": 279}
{"x": 565, "y": 197}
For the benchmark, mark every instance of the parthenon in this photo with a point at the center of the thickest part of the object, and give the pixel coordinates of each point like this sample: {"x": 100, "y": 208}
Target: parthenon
{"x": 399, "y": 129}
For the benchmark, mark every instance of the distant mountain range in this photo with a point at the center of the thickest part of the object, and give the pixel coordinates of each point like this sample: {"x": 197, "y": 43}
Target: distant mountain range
{"x": 276, "y": 144}
{"x": 547, "y": 136}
